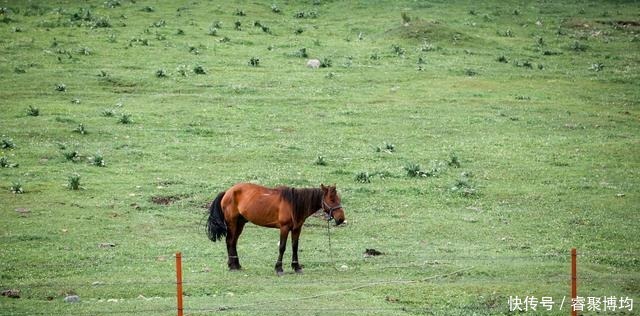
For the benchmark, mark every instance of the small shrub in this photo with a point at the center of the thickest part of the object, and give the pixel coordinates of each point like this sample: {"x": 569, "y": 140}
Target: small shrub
{"x": 254, "y": 62}
{"x": 578, "y": 47}
{"x": 199, "y": 70}
{"x": 61, "y": 87}
{"x": 397, "y": 49}
{"x": 7, "y": 143}
{"x": 159, "y": 23}
{"x": 161, "y": 73}
{"x": 125, "y": 118}
{"x": 325, "y": 63}
{"x": 320, "y": 161}
{"x": 363, "y": 177}
{"x": 597, "y": 67}
{"x": 33, "y": 111}
{"x": 182, "y": 70}
{"x": 72, "y": 156}
{"x": 302, "y": 53}
{"x": 405, "y": 18}
{"x": 5, "y": 163}
{"x": 101, "y": 22}
{"x": 413, "y": 170}
{"x": 80, "y": 129}
{"x": 464, "y": 187}
{"x": 427, "y": 47}
{"x": 108, "y": 112}
{"x": 73, "y": 182}
{"x": 97, "y": 160}
{"x": 84, "y": 51}
{"x": 507, "y": 33}
{"x": 454, "y": 161}
{"x": 16, "y": 187}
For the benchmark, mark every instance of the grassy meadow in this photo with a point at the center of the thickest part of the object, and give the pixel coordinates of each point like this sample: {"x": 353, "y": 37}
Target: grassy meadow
{"x": 473, "y": 144}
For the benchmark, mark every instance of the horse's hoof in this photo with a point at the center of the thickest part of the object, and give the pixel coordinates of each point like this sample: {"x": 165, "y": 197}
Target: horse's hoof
{"x": 279, "y": 273}
{"x": 299, "y": 271}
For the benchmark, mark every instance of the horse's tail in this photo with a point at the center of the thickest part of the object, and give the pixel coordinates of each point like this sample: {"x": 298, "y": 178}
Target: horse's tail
{"x": 216, "y": 225}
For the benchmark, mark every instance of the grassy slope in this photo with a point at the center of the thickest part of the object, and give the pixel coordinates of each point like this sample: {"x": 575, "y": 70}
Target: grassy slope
{"x": 548, "y": 149}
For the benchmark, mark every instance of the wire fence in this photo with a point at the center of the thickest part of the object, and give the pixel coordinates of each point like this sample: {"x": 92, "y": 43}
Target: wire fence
{"x": 209, "y": 288}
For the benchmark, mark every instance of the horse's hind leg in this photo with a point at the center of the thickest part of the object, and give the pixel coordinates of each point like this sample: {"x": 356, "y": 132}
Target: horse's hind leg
{"x": 234, "y": 229}
{"x": 295, "y": 235}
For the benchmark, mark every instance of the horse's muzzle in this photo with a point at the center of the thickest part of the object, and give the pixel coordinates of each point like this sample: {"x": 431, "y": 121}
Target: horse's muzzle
{"x": 339, "y": 221}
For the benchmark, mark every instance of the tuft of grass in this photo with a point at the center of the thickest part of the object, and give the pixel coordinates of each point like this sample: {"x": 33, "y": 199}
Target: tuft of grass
{"x": 199, "y": 70}
{"x": 470, "y": 72}
{"x": 80, "y": 129}
{"x": 577, "y": 46}
{"x": 413, "y": 170}
{"x": 97, "y": 160}
{"x": 502, "y": 59}
{"x": 125, "y": 118}
{"x": 240, "y": 12}
{"x": 33, "y": 111}
{"x": 597, "y": 67}
{"x": 254, "y": 62}
{"x": 16, "y": 187}
{"x": 275, "y": 8}
{"x": 162, "y": 73}
{"x": 398, "y": 50}
{"x": 72, "y": 156}
{"x": 464, "y": 187}
{"x": 405, "y": 18}
{"x": 363, "y": 177}
{"x": 320, "y": 161}
{"x": 108, "y": 113}
{"x": 182, "y": 70}
{"x": 61, "y": 87}
{"x": 454, "y": 160}
{"x": 5, "y": 163}
{"x": 73, "y": 182}
{"x": 7, "y": 143}
{"x": 325, "y": 63}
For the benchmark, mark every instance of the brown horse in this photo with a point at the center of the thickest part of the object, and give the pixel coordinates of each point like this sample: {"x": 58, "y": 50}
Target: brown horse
{"x": 283, "y": 207}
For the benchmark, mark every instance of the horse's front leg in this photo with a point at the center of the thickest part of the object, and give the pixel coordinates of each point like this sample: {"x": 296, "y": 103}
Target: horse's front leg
{"x": 295, "y": 235}
{"x": 284, "y": 234}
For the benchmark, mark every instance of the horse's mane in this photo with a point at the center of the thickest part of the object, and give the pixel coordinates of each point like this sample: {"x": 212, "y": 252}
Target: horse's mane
{"x": 303, "y": 201}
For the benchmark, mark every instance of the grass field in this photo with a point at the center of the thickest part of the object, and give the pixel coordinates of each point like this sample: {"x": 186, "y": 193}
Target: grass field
{"x": 473, "y": 144}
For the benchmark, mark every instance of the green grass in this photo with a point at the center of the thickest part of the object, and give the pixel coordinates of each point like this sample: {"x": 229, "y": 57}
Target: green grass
{"x": 533, "y": 150}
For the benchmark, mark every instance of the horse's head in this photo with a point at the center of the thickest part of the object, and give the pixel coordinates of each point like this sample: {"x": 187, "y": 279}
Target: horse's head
{"x": 331, "y": 204}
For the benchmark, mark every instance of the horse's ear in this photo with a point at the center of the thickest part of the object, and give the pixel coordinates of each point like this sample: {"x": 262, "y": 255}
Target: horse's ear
{"x": 323, "y": 187}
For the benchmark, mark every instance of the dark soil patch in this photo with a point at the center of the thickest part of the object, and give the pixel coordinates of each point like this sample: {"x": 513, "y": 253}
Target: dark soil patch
{"x": 165, "y": 200}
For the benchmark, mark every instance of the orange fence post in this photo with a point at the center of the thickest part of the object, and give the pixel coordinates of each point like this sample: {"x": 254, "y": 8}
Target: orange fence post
{"x": 574, "y": 280}
{"x": 179, "y": 282}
